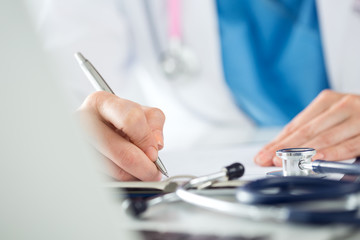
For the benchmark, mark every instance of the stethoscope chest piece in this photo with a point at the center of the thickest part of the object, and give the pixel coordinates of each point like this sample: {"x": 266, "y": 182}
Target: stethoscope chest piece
{"x": 178, "y": 61}
{"x": 293, "y": 160}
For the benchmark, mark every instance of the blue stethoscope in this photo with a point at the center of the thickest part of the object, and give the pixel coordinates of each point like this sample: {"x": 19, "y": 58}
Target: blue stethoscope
{"x": 299, "y": 199}
{"x": 310, "y": 192}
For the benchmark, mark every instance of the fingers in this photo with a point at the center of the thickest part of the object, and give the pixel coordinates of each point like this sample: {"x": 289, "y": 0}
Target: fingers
{"x": 128, "y": 159}
{"x": 125, "y": 134}
{"x": 334, "y": 136}
{"x": 326, "y": 120}
{"x": 324, "y": 123}
{"x": 329, "y": 127}
{"x": 345, "y": 150}
{"x": 128, "y": 118}
{"x": 320, "y": 104}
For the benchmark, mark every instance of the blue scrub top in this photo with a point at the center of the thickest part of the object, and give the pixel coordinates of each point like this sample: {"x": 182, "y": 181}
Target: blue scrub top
{"x": 272, "y": 56}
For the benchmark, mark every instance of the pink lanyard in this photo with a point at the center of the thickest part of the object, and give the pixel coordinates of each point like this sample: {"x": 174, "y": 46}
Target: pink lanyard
{"x": 174, "y": 15}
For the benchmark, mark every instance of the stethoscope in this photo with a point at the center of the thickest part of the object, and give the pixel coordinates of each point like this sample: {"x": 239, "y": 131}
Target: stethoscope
{"x": 300, "y": 199}
{"x": 297, "y": 162}
{"x": 176, "y": 60}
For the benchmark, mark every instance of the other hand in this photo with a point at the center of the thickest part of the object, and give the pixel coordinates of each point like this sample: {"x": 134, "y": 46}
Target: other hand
{"x": 330, "y": 124}
{"x": 127, "y": 134}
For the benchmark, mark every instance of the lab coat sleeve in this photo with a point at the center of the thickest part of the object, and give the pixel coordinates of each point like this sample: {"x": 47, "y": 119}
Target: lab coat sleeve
{"x": 100, "y": 31}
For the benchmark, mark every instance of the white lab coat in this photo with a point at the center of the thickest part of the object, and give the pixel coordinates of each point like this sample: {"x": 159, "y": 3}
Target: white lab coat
{"x": 116, "y": 37}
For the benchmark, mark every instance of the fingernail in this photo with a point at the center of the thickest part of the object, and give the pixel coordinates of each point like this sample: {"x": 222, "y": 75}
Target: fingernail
{"x": 160, "y": 145}
{"x": 152, "y": 153}
{"x": 153, "y": 176}
{"x": 258, "y": 155}
{"x": 277, "y": 161}
{"x": 159, "y": 139}
{"x": 263, "y": 158}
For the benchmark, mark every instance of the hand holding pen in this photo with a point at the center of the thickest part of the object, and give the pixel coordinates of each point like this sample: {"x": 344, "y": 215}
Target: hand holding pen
{"x": 127, "y": 134}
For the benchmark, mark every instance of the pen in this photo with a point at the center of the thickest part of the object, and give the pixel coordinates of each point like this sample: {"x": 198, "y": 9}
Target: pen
{"x": 100, "y": 84}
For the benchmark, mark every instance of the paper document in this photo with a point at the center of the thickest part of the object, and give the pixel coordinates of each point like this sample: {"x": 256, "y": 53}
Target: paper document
{"x": 204, "y": 161}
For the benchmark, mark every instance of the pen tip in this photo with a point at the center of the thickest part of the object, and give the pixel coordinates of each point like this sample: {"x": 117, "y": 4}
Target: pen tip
{"x": 79, "y": 57}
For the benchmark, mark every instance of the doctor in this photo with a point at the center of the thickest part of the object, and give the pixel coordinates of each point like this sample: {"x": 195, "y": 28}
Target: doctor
{"x": 219, "y": 70}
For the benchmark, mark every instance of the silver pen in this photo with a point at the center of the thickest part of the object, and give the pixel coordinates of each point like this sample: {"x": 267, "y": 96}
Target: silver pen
{"x": 100, "y": 84}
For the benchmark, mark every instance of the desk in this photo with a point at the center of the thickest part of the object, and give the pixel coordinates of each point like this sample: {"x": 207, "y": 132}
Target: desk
{"x": 182, "y": 217}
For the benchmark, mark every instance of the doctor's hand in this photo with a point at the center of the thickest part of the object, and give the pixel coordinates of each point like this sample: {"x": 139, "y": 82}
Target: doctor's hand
{"x": 330, "y": 124}
{"x": 127, "y": 134}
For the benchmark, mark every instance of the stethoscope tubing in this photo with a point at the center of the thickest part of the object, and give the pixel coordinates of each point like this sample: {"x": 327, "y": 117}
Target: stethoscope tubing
{"x": 336, "y": 216}
{"x": 256, "y": 202}
{"x": 321, "y": 166}
{"x": 313, "y": 189}
{"x": 270, "y": 213}
{"x": 232, "y": 209}
{"x": 275, "y": 212}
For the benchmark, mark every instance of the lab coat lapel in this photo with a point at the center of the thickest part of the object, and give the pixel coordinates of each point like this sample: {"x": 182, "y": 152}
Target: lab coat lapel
{"x": 350, "y": 71}
{"x": 340, "y": 29}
